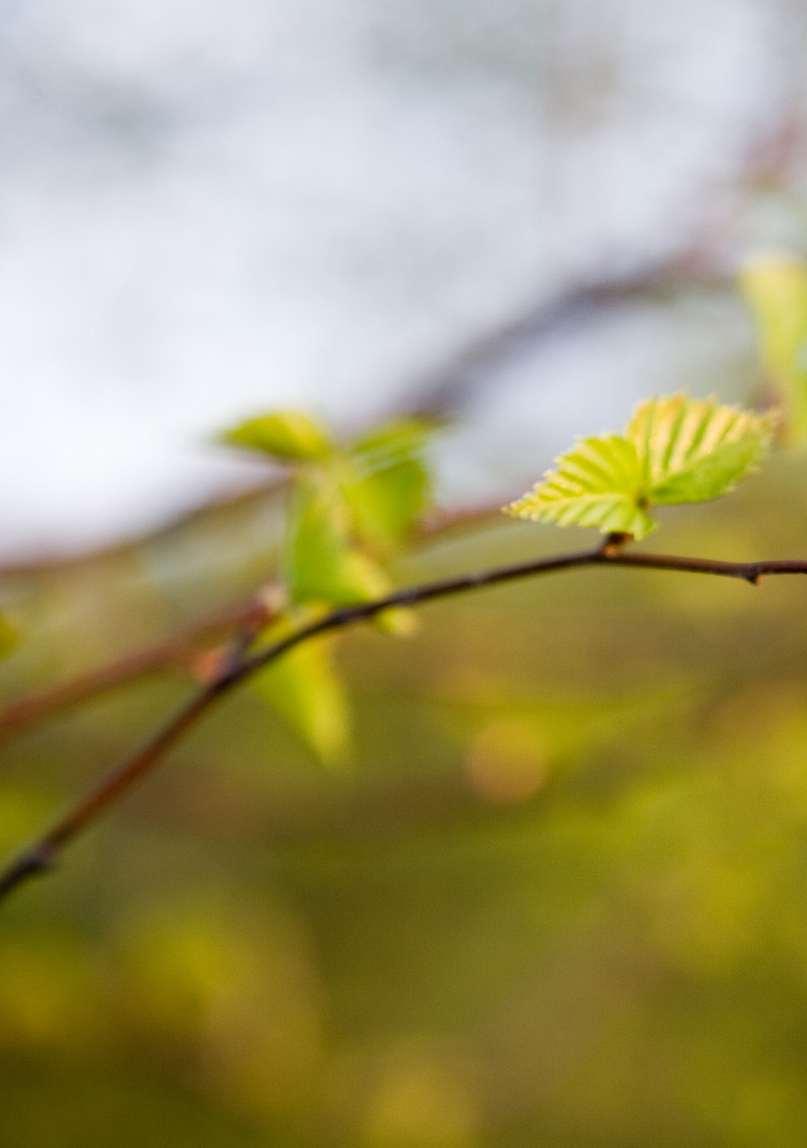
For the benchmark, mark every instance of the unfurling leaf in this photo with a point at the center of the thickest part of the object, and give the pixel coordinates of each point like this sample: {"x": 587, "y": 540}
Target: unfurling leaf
{"x": 289, "y": 436}
{"x": 776, "y": 289}
{"x": 674, "y": 450}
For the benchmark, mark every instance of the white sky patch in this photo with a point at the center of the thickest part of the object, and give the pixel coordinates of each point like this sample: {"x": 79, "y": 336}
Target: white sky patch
{"x": 207, "y": 209}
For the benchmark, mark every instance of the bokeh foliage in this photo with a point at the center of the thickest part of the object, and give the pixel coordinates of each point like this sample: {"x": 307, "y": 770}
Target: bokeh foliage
{"x": 558, "y": 899}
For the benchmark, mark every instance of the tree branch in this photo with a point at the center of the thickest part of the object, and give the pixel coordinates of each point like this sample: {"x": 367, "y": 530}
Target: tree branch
{"x": 175, "y": 651}
{"x": 181, "y": 650}
{"x": 242, "y": 665}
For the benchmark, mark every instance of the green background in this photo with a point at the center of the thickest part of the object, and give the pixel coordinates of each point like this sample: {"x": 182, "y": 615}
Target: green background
{"x": 557, "y": 898}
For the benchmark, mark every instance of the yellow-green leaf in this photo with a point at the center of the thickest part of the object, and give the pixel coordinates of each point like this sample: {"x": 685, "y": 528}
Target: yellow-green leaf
{"x": 693, "y": 450}
{"x": 305, "y": 689}
{"x": 387, "y": 482}
{"x": 598, "y": 483}
{"x": 776, "y": 289}
{"x": 674, "y": 450}
{"x": 290, "y": 436}
{"x": 322, "y": 564}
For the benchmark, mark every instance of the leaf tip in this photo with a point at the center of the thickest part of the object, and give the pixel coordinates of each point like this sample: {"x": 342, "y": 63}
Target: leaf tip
{"x": 286, "y": 435}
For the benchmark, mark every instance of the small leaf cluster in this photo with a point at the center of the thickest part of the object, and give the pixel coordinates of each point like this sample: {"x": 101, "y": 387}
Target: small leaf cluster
{"x": 352, "y": 508}
{"x": 353, "y": 505}
{"x": 674, "y": 450}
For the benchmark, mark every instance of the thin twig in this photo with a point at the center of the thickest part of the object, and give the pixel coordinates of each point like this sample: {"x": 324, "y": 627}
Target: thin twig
{"x": 180, "y": 650}
{"x": 39, "y": 857}
{"x": 175, "y": 651}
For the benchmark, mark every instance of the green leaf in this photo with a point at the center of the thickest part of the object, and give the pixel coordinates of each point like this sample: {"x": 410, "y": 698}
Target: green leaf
{"x": 322, "y": 564}
{"x": 316, "y": 541}
{"x": 304, "y": 687}
{"x": 693, "y": 450}
{"x": 598, "y": 483}
{"x": 674, "y": 450}
{"x": 290, "y": 436}
{"x": 351, "y": 511}
{"x": 397, "y": 440}
{"x": 387, "y": 482}
{"x": 776, "y": 289}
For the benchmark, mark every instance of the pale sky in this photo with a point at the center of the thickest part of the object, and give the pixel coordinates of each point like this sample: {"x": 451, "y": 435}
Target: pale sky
{"x": 208, "y": 209}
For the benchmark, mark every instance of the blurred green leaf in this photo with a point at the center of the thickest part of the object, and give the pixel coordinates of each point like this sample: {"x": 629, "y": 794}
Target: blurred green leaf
{"x": 675, "y": 450}
{"x": 387, "y": 482}
{"x": 305, "y": 688}
{"x": 776, "y": 289}
{"x": 347, "y": 510}
{"x": 322, "y": 564}
{"x": 290, "y": 436}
